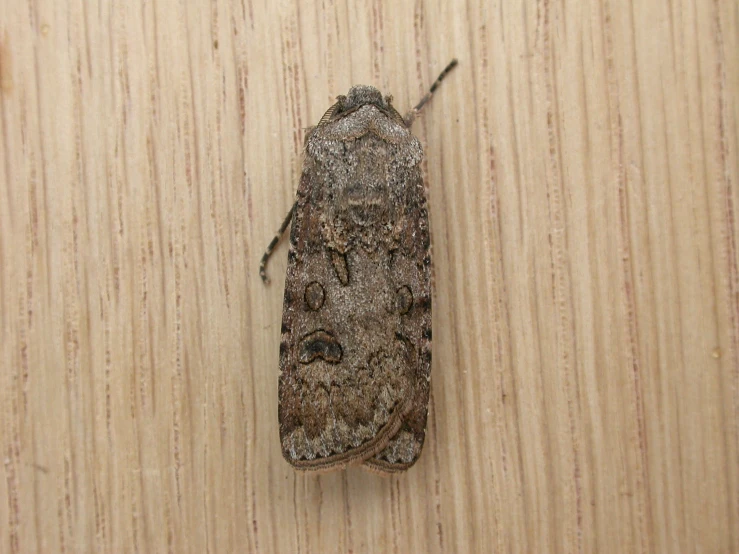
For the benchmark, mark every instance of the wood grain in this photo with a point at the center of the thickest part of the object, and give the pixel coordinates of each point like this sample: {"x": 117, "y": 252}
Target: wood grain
{"x": 582, "y": 164}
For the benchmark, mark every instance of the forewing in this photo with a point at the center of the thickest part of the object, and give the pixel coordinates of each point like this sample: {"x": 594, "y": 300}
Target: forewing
{"x": 346, "y": 378}
{"x": 411, "y": 268}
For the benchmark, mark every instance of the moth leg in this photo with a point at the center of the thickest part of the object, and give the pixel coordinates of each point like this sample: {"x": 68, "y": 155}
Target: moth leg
{"x": 273, "y": 245}
{"x": 411, "y": 116}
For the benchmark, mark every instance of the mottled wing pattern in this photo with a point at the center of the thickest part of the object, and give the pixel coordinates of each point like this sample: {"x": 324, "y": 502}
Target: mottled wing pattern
{"x": 355, "y": 353}
{"x": 341, "y": 394}
{"x": 355, "y": 356}
{"x": 412, "y": 266}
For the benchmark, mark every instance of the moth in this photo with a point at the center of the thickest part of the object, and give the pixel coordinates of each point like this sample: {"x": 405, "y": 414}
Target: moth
{"x": 355, "y": 355}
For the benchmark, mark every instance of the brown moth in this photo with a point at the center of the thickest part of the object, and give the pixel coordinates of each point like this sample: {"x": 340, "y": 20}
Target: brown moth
{"x": 355, "y": 356}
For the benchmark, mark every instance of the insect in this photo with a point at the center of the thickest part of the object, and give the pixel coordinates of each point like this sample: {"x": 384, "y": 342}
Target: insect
{"x": 355, "y": 355}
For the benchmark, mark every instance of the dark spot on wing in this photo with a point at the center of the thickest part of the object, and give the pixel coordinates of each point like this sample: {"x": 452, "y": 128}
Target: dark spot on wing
{"x": 314, "y": 295}
{"x": 320, "y": 344}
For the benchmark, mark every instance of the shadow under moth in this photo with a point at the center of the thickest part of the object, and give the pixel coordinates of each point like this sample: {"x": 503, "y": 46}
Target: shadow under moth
{"x": 355, "y": 355}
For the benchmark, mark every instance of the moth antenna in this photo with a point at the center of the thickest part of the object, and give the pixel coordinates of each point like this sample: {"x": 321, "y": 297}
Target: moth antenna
{"x": 273, "y": 245}
{"x": 411, "y": 116}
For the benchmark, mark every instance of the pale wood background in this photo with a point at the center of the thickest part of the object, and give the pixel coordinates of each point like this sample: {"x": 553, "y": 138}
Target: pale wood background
{"x": 582, "y": 166}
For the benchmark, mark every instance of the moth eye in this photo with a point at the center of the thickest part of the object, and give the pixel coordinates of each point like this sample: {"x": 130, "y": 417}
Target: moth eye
{"x": 314, "y": 295}
{"x": 339, "y": 107}
{"x": 403, "y": 299}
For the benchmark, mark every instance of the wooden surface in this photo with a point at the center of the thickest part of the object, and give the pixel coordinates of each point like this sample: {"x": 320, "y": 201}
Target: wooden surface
{"x": 582, "y": 165}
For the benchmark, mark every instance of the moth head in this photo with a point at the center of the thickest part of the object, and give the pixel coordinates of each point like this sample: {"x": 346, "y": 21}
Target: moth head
{"x": 361, "y": 95}
{"x": 357, "y": 97}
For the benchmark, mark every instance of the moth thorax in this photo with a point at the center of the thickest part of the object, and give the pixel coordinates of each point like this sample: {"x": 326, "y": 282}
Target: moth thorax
{"x": 366, "y": 193}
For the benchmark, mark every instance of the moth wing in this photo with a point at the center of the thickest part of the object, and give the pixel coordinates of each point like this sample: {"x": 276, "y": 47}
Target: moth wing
{"x": 412, "y": 268}
{"x": 332, "y": 412}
